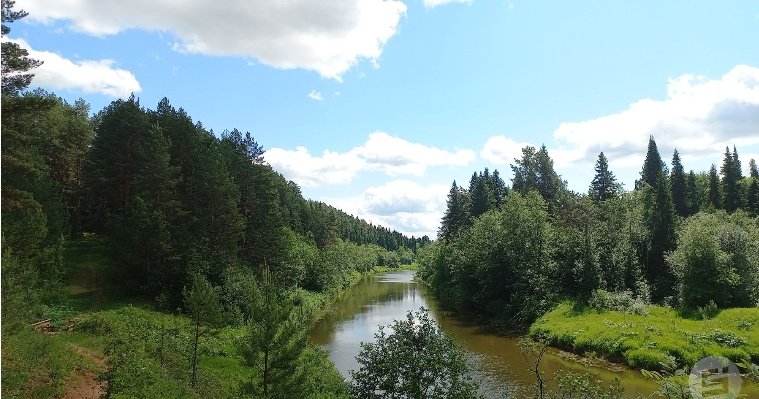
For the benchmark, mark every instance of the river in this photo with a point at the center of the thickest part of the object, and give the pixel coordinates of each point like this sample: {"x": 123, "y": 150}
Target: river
{"x": 500, "y": 365}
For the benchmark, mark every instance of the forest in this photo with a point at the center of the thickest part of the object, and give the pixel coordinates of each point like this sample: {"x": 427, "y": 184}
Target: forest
{"x": 536, "y": 257}
{"x": 178, "y": 219}
{"x": 148, "y": 256}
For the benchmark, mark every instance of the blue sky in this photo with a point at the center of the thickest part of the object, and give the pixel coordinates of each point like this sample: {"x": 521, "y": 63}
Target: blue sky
{"x": 377, "y": 105}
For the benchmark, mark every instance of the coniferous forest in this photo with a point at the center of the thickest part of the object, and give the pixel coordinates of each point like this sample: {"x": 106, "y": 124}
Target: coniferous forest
{"x": 145, "y": 256}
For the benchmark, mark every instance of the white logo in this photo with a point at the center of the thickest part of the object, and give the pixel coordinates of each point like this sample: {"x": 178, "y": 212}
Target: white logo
{"x": 715, "y": 377}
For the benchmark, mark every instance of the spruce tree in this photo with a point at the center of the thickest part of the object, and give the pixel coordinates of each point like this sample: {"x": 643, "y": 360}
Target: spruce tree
{"x": 692, "y": 194}
{"x": 731, "y": 177}
{"x": 713, "y": 197}
{"x": 604, "y": 184}
{"x": 482, "y": 198}
{"x": 455, "y": 217}
{"x": 752, "y": 193}
{"x": 499, "y": 188}
{"x": 652, "y": 165}
{"x": 659, "y": 218}
{"x": 678, "y": 186}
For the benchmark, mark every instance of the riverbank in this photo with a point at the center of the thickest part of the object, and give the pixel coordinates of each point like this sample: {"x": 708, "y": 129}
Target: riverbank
{"x": 648, "y": 341}
{"x": 97, "y": 321}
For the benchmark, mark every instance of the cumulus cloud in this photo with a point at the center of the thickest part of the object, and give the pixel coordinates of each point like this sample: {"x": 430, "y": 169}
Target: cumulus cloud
{"x": 381, "y": 152}
{"x": 314, "y": 171}
{"x": 403, "y": 205}
{"x": 89, "y": 76}
{"x": 315, "y": 95}
{"x": 699, "y": 117}
{"x": 323, "y": 36}
{"x": 396, "y": 156}
{"x": 502, "y": 150}
{"x": 435, "y": 3}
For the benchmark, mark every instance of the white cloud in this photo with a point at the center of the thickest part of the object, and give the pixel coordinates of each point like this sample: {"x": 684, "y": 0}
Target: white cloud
{"x": 381, "y": 152}
{"x": 315, "y": 95}
{"x": 396, "y": 156}
{"x": 435, "y": 3}
{"x": 310, "y": 171}
{"x": 699, "y": 117}
{"x": 323, "y": 36}
{"x": 89, "y": 76}
{"x": 502, "y": 150}
{"x": 403, "y": 205}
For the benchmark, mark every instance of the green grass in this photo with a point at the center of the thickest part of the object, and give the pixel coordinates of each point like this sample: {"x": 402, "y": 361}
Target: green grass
{"x": 37, "y": 365}
{"x": 645, "y": 341}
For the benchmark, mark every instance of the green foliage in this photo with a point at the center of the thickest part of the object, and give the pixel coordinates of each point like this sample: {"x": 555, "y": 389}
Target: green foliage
{"x": 456, "y": 215}
{"x": 624, "y": 301}
{"x": 652, "y": 166}
{"x": 416, "y": 360}
{"x": 678, "y": 185}
{"x": 659, "y": 219}
{"x": 717, "y": 259}
{"x": 604, "y": 185}
{"x": 273, "y": 344}
{"x": 202, "y": 304}
{"x": 16, "y": 63}
{"x": 731, "y": 177}
{"x": 643, "y": 341}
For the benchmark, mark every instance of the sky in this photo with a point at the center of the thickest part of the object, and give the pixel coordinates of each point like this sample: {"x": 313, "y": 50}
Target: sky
{"x": 376, "y": 106}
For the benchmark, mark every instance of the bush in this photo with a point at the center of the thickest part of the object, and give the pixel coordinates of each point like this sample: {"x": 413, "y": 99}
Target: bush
{"x": 623, "y": 301}
{"x": 717, "y": 260}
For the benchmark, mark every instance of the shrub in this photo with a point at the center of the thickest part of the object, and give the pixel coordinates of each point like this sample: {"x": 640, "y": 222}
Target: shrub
{"x": 623, "y": 301}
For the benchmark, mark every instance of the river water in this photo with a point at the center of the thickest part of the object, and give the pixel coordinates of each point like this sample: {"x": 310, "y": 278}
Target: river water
{"x": 500, "y": 365}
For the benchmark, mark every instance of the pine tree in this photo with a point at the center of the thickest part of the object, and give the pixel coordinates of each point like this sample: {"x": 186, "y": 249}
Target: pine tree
{"x": 713, "y": 196}
{"x": 202, "y": 305}
{"x": 604, "y": 184}
{"x": 678, "y": 185}
{"x": 273, "y": 344}
{"x": 455, "y": 217}
{"x": 16, "y": 63}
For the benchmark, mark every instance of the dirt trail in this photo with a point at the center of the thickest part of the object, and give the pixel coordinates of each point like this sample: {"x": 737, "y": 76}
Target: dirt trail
{"x": 84, "y": 383}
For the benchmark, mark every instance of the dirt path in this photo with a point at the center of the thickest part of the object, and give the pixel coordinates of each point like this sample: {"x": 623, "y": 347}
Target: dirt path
{"x": 84, "y": 383}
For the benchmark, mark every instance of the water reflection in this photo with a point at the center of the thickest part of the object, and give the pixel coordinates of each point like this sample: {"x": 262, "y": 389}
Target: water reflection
{"x": 501, "y": 367}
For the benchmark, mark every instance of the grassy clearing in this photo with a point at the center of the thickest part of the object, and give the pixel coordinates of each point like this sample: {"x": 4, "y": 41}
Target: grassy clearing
{"x": 646, "y": 341}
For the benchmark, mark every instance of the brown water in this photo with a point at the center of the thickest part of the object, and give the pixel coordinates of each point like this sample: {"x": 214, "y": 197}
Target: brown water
{"x": 501, "y": 366}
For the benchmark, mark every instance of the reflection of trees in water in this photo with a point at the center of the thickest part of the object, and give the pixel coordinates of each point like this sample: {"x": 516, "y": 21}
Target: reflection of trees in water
{"x": 368, "y": 292}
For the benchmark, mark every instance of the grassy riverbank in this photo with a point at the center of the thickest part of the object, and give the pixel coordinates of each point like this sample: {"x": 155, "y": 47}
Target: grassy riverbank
{"x": 644, "y": 341}
{"x": 152, "y": 347}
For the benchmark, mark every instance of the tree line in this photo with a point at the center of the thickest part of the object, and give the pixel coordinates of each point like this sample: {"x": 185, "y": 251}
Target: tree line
{"x": 680, "y": 239}
{"x": 173, "y": 198}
